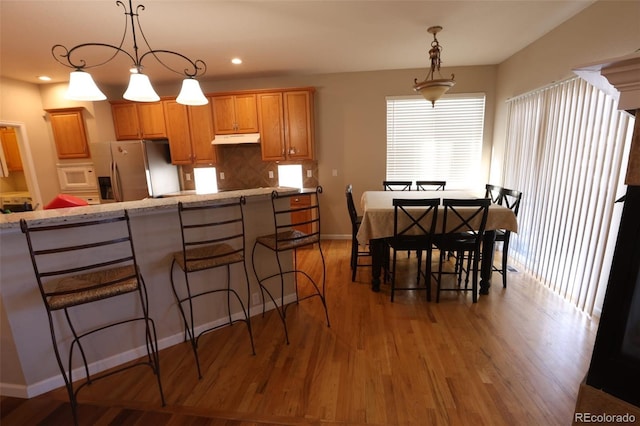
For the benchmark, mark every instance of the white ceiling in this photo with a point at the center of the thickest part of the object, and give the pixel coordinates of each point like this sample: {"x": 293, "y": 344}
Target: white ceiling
{"x": 276, "y": 37}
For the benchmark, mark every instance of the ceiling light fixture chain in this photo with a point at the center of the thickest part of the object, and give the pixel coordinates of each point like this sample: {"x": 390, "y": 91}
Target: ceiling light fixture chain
{"x": 81, "y": 84}
{"x": 431, "y": 88}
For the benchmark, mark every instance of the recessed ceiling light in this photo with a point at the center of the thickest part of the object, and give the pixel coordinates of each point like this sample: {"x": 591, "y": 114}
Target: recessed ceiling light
{"x": 236, "y": 61}
{"x": 44, "y": 78}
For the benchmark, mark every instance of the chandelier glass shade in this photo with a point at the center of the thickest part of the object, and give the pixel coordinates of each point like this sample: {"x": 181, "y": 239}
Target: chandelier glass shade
{"x": 82, "y": 87}
{"x": 432, "y": 89}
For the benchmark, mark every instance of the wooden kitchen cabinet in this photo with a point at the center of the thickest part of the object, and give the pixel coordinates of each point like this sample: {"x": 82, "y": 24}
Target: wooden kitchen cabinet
{"x": 286, "y": 125}
{"x": 10, "y": 148}
{"x": 69, "y": 132}
{"x": 190, "y": 132}
{"x": 138, "y": 120}
{"x": 235, "y": 114}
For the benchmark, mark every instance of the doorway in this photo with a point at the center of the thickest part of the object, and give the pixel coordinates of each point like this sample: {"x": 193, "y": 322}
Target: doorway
{"x": 21, "y": 178}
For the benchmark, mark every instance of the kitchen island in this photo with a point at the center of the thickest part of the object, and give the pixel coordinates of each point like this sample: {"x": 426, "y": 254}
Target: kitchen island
{"x": 27, "y": 362}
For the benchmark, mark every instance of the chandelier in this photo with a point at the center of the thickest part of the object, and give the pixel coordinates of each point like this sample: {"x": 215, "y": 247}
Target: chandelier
{"x": 432, "y": 89}
{"x": 82, "y": 87}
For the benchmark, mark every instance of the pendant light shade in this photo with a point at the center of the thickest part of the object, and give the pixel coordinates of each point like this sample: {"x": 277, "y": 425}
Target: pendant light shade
{"x": 83, "y": 88}
{"x": 430, "y": 88}
{"x": 191, "y": 93}
{"x": 140, "y": 89}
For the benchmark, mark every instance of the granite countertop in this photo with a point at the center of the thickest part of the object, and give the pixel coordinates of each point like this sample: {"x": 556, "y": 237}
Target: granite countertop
{"x": 53, "y": 216}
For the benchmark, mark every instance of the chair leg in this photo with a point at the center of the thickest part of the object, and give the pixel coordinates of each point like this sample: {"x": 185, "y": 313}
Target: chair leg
{"x": 354, "y": 259}
{"x": 393, "y": 275}
{"x": 505, "y": 252}
{"x": 476, "y": 264}
{"x": 188, "y": 325}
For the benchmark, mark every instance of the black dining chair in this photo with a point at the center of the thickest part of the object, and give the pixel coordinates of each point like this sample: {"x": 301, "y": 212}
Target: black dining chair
{"x": 357, "y": 251}
{"x": 463, "y": 226}
{"x": 397, "y": 185}
{"x": 414, "y": 225}
{"x": 431, "y": 185}
{"x": 511, "y": 199}
{"x": 493, "y": 192}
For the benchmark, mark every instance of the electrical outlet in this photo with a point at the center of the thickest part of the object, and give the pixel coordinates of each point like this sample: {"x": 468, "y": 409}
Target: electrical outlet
{"x": 187, "y": 176}
{"x": 309, "y": 173}
{"x": 255, "y": 298}
{"x": 270, "y": 174}
{"x": 334, "y": 172}
{"x": 221, "y": 175}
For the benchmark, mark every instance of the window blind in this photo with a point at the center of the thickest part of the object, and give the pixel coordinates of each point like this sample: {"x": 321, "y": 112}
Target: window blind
{"x": 441, "y": 143}
{"x": 566, "y": 148}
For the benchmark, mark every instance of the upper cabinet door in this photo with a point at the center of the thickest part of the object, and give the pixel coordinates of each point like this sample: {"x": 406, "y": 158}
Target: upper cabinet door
{"x": 138, "y": 120}
{"x": 125, "y": 121}
{"x": 271, "y": 126}
{"x": 151, "y": 118}
{"x": 10, "y": 148}
{"x": 235, "y": 114}
{"x": 298, "y": 125}
{"x": 190, "y": 132}
{"x": 177, "y": 120}
{"x": 69, "y": 133}
{"x": 201, "y": 127}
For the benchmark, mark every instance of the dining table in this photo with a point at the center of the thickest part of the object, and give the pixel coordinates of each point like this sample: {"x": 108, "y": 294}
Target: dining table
{"x": 378, "y": 222}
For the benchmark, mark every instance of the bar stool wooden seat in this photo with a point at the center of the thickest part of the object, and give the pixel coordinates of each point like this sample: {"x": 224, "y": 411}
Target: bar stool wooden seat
{"x": 89, "y": 262}
{"x": 296, "y": 227}
{"x": 212, "y": 237}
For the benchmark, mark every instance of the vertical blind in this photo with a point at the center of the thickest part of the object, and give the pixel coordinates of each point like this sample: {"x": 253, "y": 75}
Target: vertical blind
{"x": 566, "y": 149}
{"x": 435, "y": 143}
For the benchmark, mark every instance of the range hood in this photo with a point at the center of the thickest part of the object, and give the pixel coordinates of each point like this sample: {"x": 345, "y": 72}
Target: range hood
{"x": 236, "y": 139}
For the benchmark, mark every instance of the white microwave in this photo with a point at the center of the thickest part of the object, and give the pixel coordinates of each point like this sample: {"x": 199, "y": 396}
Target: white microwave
{"x": 77, "y": 177}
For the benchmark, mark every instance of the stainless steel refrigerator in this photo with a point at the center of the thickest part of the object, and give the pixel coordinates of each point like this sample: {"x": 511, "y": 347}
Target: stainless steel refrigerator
{"x": 142, "y": 169}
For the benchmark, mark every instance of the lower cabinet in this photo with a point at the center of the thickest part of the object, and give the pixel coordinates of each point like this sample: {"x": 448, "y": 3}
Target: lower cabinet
{"x": 305, "y": 215}
{"x": 190, "y": 132}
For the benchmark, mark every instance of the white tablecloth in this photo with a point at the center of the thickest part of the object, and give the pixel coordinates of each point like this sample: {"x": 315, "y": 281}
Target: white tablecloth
{"x": 377, "y": 207}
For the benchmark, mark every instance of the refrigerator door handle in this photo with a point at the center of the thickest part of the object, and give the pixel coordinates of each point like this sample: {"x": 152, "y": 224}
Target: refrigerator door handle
{"x": 115, "y": 182}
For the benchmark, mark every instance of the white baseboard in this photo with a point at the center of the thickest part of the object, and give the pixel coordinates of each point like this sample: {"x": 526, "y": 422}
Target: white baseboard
{"x": 51, "y": 383}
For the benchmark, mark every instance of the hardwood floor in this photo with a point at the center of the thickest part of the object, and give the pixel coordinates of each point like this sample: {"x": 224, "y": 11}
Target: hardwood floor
{"x": 516, "y": 357}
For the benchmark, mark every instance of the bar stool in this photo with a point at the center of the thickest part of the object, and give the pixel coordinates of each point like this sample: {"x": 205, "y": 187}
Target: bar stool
{"x": 212, "y": 237}
{"x": 87, "y": 262}
{"x": 296, "y": 227}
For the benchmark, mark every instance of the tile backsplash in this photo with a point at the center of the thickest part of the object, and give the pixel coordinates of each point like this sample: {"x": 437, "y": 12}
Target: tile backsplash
{"x": 243, "y": 168}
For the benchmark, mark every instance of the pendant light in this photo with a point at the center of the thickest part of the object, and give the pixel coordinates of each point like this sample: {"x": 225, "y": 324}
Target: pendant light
{"x": 432, "y": 89}
{"x": 83, "y": 88}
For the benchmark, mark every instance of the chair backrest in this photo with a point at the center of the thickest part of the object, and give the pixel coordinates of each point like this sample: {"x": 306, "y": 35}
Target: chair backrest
{"x": 431, "y": 185}
{"x": 302, "y": 218}
{"x": 397, "y": 185}
{"x": 467, "y": 217}
{"x": 77, "y": 249}
{"x": 353, "y": 213}
{"x": 212, "y": 223}
{"x": 493, "y": 192}
{"x": 510, "y": 198}
{"x": 415, "y": 218}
